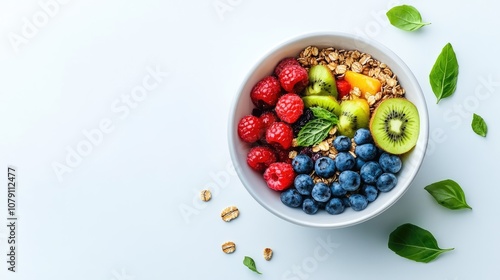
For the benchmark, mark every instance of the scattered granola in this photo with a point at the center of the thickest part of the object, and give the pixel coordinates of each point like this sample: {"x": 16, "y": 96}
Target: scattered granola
{"x": 205, "y": 195}
{"x": 228, "y": 247}
{"x": 268, "y": 254}
{"x": 230, "y": 213}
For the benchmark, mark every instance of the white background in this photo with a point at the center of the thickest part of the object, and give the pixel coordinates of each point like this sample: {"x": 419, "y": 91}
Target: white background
{"x": 116, "y": 214}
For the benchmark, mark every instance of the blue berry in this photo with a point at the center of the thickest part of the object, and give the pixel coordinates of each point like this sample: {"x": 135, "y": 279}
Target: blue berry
{"x": 321, "y": 192}
{"x": 358, "y": 202}
{"x": 325, "y": 167}
{"x": 346, "y": 202}
{"x": 302, "y": 164}
{"x": 291, "y": 198}
{"x": 370, "y": 172}
{"x": 359, "y": 163}
{"x": 304, "y": 184}
{"x": 370, "y": 191}
{"x": 349, "y": 180}
{"x": 310, "y": 206}
{"x": 335, "y": 206}
{"x": 337, "y": 190}
{"x": 344, "y": 161}
{"x": 366, "y": 152}
{"x": 386, "y": 182}
{"x": 390, "y": 163}
{"x": 362, "y": 136}
{"x": 342, "y": 143}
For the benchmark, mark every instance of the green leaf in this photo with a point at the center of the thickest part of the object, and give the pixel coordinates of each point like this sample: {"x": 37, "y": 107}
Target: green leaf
{"x": 405, "y": 17}
{"x": 314, "y": 132}
{"x": 449, "y": 194}
{"x": 322, "y": 113}
{"x": 250, "y": 263}
{"x": 444, "y": 73}
{"x": 415, "y": 243}
{"x": 479, "y": 125}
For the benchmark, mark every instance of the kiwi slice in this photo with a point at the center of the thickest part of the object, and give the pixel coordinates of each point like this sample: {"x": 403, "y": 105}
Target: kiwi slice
{"x": 395, "y": 125}
{"x": 321, "y": 81}
{"x": 327, "y": 102}
{"x": 354, "y": 114}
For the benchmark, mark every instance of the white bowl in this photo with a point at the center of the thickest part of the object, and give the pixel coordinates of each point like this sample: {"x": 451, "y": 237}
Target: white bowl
{"x": 242, "y": 105}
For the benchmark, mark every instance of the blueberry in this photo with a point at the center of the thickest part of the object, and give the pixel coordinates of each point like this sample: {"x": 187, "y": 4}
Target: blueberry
{"x": 342, "y": 143}
{"x": 370, "y": 172}
{"x": 370, "y": 191}
{"x": 386, "y": 182}
{"x": 346, "y": 202}
{"x": 344, "y": 161}
{"x": 304, "y": 184}
{"x": 358, "y": 202}
{"x": 337, "y": 190}
{"x": 291, "y": 198}
{"x": 310, "y": 206}
{"x": 390, "y": 163}
{"x": 321, "y": 192}
{"x": 366, "y": 152}
{"x": 325, "y": 167}
{"x": 362, "y": 136}
{"x": 335, "y": 206}
{"x": 349, "y": 180}
{"x": 302, "y": 164}
{"x": 359, "y": 163}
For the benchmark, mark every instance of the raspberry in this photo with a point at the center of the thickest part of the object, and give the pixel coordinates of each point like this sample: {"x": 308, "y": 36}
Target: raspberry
{"x": 284, "y": 63}
{"x": 282, "y": 155}
{"x": 293, "y": 78}
{"x": 280, "y": 134}
{"x": 267, "y": 119}
{"x": 259, "y": 158}
{"x": 266, "y": 92}
{"x": 343, "y": 87}
{"x": 279, "y": 176}
{"x": 289, "y": 107}
{"x": 250, "y": 129}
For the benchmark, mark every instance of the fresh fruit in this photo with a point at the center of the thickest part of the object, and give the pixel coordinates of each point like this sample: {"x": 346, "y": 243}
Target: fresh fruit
{"x": 337, "y": 190}
{"x": 386, "y": 182}
{"x": 307, "y": 115}
{"x": 362, "y": 136}
{"x": 366, "y": 151}
{"x": 335, "y": 206}
{"x": 302, "y": 164}
{"x": 324, "y": 167}
{"x": 365, "y": 83}
{"x": 293, "y": 78}
{"x": 354, "y": 114}
{"x": 291, "y": 198}
{"x": 267, "y": 119}
{"x": 342, "y": 143}
{"x": 289, "y": 107}
{"x": 344, "y": 161}
{"x": 250, "y": 129}
{"x": 282, "y": 154}
{"x": 321, "y": 192}
{"x": 359, "y": 163}
{"x": 395, "y": 125}
{"x": 284, "y": 63}
{"x": 310, "y": 206}
{"x": 349, "y": 180}
{"x": 259, "y": 158}
{"x": 390, "y": 163}
{"x": 279, "y": 176}
{"x": 326, "y": 102}
{"x": 304, "y": 184}
{"x": 280, "y": 134}
{"x": 370, "y": 172}
{"x": 343, "y": 88}
{"x": 266, "y": 92}
{"x": 321, "y": 81}
{"x": 358, "y": 202}
{"x": 370, "y": 192}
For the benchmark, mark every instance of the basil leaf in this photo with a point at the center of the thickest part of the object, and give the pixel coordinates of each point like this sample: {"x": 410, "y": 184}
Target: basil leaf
{"x": 314, "y": 132}
{"x": 405, "y": 17}
{"x": 449, "y": 194}
{"x": 250, "y": 263}
{"x": 479, "y": 125}
{"x": 415, "y": 243}
{"x": 444, "y": 73}
{"x": 324, "y": 114}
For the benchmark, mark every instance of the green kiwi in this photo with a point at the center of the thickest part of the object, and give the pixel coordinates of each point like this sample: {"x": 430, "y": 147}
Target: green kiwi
{"x": 327, "y": 102}
{"x": 354, "y": 114}
{"x": 321, "y": 81}
{"x": 395, "y": 125}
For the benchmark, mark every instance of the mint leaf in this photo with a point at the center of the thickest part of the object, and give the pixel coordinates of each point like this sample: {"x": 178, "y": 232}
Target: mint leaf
{"x": 479, "y": 125}
{"x": 414, "y": 243}
{"x": 444, "y": 73}
{"x": 449, "y": 194}
{"x": 250, "y": 263}
{"x": 314, "y": 132}
{"x": 405, "y": 17}
{"x": 322, "y": 113}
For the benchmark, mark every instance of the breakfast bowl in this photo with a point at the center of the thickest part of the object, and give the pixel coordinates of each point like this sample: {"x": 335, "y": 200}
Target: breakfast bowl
{"x": 366, "y": 50}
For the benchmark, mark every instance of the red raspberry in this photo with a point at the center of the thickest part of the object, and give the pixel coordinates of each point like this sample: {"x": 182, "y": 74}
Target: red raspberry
{"x": 267, "y": 119}
{"x": 280, "y": 134}
{"x": 343, "y": 87}
{"x": 250, "y": 129}
{"x": 284, "y": 63}
{"x": 289, "y": 107}
{"x": 266, "y": 92}
{"x": 293, "y": 78}
{"x": 259, "y": 158}
{"x": 282, "y": 155}
{"x": 279, "y": 176}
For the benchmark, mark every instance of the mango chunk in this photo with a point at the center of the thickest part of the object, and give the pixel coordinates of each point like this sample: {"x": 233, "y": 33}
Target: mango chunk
{"x": 367, "y": 85}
